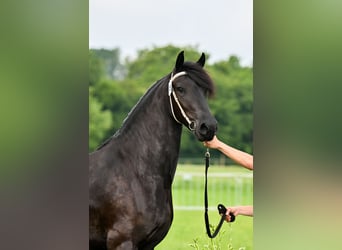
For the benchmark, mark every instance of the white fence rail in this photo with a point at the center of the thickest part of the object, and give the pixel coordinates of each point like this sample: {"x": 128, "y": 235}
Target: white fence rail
{"x": 226, "y": 188}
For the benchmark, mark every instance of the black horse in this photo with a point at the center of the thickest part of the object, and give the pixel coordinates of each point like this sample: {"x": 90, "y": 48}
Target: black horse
{"x": 130, "y": 175}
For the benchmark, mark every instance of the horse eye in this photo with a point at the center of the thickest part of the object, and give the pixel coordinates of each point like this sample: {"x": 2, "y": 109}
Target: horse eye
{"x": 180, "y": 90}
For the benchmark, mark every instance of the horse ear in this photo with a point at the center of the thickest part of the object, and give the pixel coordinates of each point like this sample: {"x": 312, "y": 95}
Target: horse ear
{"x": 201, "y": 61}
{"x": 179, "y": 61}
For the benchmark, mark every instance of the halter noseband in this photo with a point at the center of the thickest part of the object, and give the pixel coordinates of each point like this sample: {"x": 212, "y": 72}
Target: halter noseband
{"x": 191, "y": 124}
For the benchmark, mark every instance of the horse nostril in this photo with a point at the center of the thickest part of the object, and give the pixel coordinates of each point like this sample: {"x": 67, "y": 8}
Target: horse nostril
{"x": 207, "y": 130}
{"x": 203, "y": 129}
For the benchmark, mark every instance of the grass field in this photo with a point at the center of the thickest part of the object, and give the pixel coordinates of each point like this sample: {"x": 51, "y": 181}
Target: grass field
{"x": 188, "y": 228}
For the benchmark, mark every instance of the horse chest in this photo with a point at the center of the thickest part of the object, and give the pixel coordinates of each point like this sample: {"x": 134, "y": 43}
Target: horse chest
{"x": 153, "y": 210}
{"x": 151, "y": 193}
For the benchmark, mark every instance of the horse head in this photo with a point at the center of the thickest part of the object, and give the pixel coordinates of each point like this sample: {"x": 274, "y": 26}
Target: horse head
{"x": 189, "y": 87}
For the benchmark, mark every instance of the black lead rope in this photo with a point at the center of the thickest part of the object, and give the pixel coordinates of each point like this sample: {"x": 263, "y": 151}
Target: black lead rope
{"x": 221, "y": 208}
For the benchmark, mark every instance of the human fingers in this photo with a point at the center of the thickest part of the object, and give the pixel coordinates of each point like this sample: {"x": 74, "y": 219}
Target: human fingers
{"x": 228, "y": 217}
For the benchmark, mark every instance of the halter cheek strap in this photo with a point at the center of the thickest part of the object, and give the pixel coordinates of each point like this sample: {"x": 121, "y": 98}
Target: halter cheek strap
{"x": 191, "y": 124}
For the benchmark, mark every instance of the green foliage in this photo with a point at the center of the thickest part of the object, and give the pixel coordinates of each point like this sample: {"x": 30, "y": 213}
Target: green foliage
{"x": 110, "y": 63}
{"x": 99, "y": 121}
{"x": 232, "y": 105}
{"x": 95, "y": 68}
{"x": 118, "y": 97}
{"x": 152, "y": 65}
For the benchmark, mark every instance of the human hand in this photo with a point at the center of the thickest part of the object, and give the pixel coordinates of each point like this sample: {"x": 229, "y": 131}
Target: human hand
{"x": 231, "y": 213}
{"x": 213, "y": 143}
{"x": 238, "y": 210}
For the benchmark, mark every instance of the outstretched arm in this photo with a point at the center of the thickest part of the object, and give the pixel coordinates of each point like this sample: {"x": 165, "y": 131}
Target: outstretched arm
{"x": 242, "y": 158}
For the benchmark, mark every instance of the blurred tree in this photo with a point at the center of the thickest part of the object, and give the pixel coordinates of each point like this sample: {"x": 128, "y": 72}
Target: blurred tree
{"x": 152, "y": 64}
{"x": 233, "y": 104}
{"x": 99, "y": 121}
{"x": 119, "y": 97}
{"x": 96, "y": 68}
{"x": 110, "y": 59}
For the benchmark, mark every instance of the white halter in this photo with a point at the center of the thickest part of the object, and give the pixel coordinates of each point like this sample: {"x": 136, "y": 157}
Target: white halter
{"x": 191, "y": 124}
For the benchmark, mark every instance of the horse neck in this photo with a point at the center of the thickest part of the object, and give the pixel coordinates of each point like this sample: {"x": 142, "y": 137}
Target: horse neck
{"x": 153, "y": 132}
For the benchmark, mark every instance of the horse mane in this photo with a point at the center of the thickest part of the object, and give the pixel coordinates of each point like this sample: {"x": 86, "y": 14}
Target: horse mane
{"x": 132, "y": 111}
{"x": 200, "y": 76}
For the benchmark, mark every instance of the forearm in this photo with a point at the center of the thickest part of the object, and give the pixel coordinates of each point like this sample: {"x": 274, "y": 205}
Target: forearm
{"x": 242, "y": 210}
{"x": 242, "y": 158}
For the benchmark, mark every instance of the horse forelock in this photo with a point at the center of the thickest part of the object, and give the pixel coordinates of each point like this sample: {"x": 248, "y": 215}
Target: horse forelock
{"x": 200, "y": 76}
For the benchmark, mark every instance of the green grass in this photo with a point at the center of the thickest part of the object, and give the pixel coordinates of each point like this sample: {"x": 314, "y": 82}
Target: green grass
{"x": 188, "y": 228}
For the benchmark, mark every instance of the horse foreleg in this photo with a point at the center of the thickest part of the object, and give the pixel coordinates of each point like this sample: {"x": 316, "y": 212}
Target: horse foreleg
{"x": 127, "y": 245}
{"x": 118, "y": 241}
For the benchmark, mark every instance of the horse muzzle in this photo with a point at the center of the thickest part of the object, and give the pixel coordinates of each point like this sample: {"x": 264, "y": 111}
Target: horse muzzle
{"x": 206, "y": 130}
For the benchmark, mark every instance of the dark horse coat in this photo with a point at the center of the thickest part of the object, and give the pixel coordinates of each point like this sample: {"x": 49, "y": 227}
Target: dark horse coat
{"x": 130, "y": 175}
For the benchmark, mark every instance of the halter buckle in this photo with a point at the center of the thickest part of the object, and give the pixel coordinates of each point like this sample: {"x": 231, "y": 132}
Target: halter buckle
{"x": 207, "y": 154}
{"x": 192, "y": 126}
